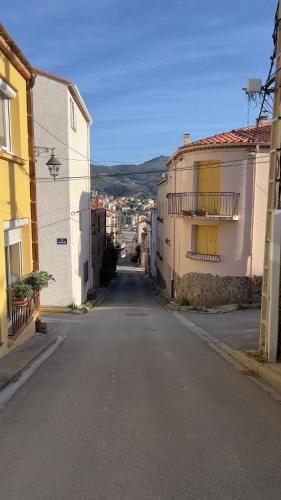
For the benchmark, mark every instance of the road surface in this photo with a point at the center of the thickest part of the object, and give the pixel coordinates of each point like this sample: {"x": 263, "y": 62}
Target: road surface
{"x": 133, "y": 406}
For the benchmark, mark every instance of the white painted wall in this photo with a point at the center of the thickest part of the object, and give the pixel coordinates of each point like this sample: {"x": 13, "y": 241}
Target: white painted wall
{"x": 57, "y": 199}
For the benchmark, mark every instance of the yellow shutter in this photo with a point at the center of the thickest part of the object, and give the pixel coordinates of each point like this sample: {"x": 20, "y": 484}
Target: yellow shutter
{"x": 209, "y": 182}
{"x": 202, "y": 238}
{"x": 212, "y": 240}
{"x": 207, "y": 240}
{"x": 209, "y": 177}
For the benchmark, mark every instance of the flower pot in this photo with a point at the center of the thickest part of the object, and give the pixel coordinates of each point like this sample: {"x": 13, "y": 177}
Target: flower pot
{"x": 20, "y": 301}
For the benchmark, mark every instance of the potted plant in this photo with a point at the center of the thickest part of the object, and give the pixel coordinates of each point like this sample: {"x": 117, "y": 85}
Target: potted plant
{"x": 188, "y": 213}
{"x": 200, "y": 212}
{"x": 38, "y": 280}
{"x": 23, "y": 292}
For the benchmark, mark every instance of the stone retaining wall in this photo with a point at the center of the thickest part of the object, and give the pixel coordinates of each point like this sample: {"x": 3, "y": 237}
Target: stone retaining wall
{"x": 200, "y": 289}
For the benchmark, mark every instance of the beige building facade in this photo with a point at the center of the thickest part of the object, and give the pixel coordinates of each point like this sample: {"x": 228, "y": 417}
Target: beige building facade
{"x": 216, "y": 205}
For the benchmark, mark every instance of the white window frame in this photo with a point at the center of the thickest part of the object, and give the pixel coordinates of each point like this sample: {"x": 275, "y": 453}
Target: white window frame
{"x": 7, "y": 125}
{"x": 6, "y": 94}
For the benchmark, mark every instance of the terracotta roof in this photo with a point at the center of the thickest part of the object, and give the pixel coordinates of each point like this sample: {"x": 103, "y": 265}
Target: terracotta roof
{"x": 51, "y": 75}
{"x": 243, "y": 135}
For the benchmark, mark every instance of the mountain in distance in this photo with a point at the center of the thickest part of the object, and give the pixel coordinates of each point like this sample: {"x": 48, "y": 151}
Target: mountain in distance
{"x": 141, "y": 184}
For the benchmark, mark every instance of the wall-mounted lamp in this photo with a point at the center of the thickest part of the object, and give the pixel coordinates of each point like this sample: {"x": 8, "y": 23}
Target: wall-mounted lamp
{"x": 53, "y": 163}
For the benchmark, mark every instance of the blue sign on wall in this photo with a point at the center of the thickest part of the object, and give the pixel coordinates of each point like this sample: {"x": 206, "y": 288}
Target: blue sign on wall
{"x": 61, "y": 241}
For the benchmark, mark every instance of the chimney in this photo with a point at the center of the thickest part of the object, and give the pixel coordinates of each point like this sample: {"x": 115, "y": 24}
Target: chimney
{"x": 262, "y": 120}
{"x": 186, "y": 138}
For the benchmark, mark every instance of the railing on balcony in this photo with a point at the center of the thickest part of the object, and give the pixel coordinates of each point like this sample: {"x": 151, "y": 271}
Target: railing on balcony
{"x": 22, "y": 314}
{"x": 204, "y": 205}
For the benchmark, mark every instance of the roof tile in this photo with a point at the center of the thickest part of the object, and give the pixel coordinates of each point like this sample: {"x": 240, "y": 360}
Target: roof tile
{"x": 244, "y": 135}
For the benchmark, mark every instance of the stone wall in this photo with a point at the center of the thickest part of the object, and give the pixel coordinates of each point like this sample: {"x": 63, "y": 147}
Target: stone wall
{"x": 200, "y": 289}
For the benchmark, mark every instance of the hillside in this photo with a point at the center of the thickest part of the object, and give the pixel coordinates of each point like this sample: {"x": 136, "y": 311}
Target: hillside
{"x": 118, "y": 183}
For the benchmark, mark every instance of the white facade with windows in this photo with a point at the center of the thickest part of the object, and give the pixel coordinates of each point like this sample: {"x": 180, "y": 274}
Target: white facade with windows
{"x": 63, "y": 122}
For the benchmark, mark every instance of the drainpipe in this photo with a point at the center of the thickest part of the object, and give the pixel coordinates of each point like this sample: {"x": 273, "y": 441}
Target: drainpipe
{"x": 252, "y": 156}
{"x": 32, "y": 174}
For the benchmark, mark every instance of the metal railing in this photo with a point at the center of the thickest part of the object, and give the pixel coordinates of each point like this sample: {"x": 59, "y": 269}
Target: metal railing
{"x": 21, "y": 314}
{"x": 205, "y": 205}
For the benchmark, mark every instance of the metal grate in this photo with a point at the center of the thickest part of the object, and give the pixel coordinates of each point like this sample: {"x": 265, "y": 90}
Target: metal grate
{"x": 203, "y": 256}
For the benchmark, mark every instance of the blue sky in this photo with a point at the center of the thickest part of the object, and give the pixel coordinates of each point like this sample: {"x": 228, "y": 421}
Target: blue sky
{"x": 149, "y": 69}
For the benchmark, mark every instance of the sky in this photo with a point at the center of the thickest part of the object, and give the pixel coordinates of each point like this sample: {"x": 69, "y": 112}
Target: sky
{"x": 149, "y": 70}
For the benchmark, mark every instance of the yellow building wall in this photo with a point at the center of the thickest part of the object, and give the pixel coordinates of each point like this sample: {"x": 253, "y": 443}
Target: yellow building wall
{"x": 14, "y": 185}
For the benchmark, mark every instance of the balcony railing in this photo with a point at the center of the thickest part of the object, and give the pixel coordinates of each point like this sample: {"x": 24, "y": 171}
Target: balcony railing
{"x": 22, "y": 314}
{"x": 204, "y": 205}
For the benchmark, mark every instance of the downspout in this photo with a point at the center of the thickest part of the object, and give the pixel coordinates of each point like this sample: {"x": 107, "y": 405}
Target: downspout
{"x": 32, "y": 174}
{"x": 253, "y": 156}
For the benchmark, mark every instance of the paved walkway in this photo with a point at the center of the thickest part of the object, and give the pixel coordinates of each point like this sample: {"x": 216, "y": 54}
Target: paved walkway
{"x": 238, "y": 329}
{"x": 134, "y": 406}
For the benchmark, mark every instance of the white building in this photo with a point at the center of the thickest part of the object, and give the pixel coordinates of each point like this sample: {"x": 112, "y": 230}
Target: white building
{"x": 63, "y": 122}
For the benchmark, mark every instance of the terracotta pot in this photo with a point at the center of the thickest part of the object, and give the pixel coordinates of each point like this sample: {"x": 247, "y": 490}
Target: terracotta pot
{"x": 20, "y": 301}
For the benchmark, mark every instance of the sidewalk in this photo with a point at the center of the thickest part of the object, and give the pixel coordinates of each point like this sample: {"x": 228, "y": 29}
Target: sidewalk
{"x": 238, "y": 329}
{"x": 235, "y": 336}
{"x": 14, "y": 364}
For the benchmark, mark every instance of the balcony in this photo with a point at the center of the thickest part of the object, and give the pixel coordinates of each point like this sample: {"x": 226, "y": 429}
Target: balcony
{"x": 204, "y": 205}
{"x": 21, "y": 315}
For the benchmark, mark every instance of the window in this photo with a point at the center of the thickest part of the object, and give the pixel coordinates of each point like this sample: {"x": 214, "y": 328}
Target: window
{"x": 5, "y": 136}
{"x": 80, "y": 221}
{"x": 6, "y": 93}
{"x": 73, "y": 116}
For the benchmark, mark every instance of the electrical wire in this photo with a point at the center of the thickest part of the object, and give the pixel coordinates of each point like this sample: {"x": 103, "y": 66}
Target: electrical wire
{"x": 122, "y": 174}
{"x": 272, "y": 58}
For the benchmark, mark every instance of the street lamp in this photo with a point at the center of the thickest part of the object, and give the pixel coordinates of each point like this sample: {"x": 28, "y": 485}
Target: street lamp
{"x": 53, "y": 163}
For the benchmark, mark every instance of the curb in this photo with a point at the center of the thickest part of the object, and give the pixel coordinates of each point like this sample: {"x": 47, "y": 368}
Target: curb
{"x": 98, "y": 302}
{"x": 8, "y": 389}
{"x": 235, "y": 357}
{"x": 55, "y": 309}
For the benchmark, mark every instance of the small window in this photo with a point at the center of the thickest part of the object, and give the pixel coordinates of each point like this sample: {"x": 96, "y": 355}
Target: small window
{"x": 5, "y": 135}
{"x": 73, "y": 116}
{"x": 80, "y": 221}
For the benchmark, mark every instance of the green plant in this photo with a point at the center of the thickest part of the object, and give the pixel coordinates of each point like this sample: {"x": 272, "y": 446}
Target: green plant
{"x": 184, "y": 302}
{"x": 23, "y": 290}
{"x": 39, "y": 279}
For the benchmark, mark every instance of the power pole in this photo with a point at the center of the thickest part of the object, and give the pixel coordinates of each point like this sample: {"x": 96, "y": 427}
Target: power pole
{"x": 270, "y": 331}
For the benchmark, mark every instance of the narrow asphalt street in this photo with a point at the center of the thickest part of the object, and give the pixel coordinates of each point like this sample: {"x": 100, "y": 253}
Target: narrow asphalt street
{"x": 133, "y": 406}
